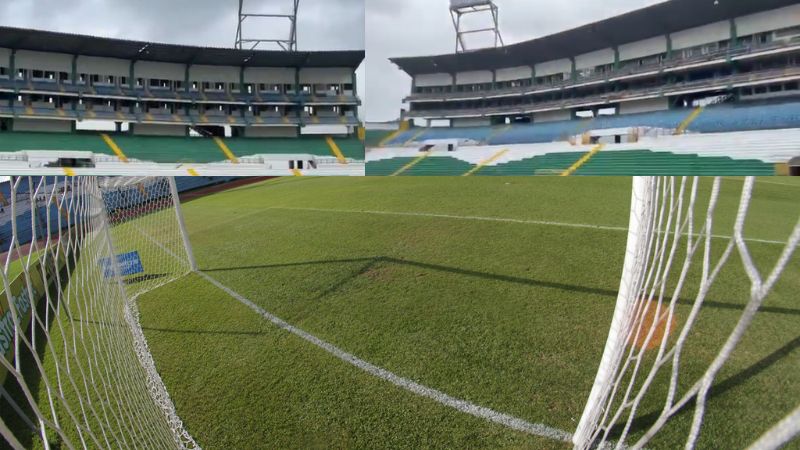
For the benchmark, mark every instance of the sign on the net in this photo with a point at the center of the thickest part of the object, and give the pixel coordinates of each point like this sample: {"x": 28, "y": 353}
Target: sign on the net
{"x": 129, "y": 264}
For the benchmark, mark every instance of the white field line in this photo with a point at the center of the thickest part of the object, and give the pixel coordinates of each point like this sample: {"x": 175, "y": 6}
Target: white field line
{"x": 761, "y": 180}
{"x": 464, "y": 406}
{"x": 502, "y": 219}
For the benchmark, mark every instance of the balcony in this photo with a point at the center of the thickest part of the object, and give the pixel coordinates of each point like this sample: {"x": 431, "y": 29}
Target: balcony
{"x": 624, "y": 73}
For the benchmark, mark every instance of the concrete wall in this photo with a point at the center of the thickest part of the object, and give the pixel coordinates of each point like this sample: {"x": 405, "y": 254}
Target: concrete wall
{"x": 262, "y": 132}
{"x": 554, "y": 67}
{"x": 514, "y": 73}
{"x": 160, "y": 71}
{"x": 104, "y": 66}
{"x": 714, "y": 32}
{"x": 641, "y": 49}
{"x": 214, "y": 74}
{"x": 56, "y": 62}
{"x": 476, "y": 77}
{"x": 594, "y": 59}
{"x": 776, "y": 19}
{"x": 156, "y": 129}
{"x": 647, "y": 105}
{"x": 433, "y": 79}
{"x": 43, "y": 125}
{"x": 471, "y": 122}
{"x": 268, "y": 75}
{"x": 333, "y": 75}
{"x": 552, "y": 116}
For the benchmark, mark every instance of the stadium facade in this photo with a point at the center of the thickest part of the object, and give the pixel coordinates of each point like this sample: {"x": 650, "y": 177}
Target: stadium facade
{"x": 49, "y": 81}
{"x": 658, "y": 58}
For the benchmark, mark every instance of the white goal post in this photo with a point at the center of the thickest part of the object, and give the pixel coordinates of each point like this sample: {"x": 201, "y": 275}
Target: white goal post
{"x": 75, "y": 369}
{"x": 670, "y": 231}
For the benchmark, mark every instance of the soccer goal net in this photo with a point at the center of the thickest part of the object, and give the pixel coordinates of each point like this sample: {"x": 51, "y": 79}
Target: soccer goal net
{"x": 75, "y": 369}
{"x": 661, "y": 356}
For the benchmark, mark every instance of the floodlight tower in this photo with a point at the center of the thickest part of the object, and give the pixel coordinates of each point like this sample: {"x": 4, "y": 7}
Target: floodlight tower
{"x": 459, "y": 8}
{"x": 252, "y": 42}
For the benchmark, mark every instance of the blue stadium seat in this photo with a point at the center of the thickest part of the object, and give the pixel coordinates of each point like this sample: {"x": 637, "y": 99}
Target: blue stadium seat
{"x": 538, "y": 133}
{"x": 745, "y": 117}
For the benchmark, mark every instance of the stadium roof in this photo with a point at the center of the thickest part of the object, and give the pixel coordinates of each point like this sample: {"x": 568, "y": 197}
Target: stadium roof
{"x": 662, "y": 18}
{"x": 74, "y": 44}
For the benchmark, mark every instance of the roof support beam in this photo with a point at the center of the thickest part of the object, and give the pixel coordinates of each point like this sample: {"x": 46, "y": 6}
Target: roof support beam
{"x": 12, "y": 65}
{"x": 669, "y": 46}
{"x": 74, "y": 74}
{"x": 574, "y": 73}
{"x": 132, "y": 77}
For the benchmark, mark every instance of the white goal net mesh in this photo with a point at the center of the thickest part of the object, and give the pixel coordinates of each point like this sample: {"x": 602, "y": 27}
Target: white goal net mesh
{"x": 677, "y": 248}
{"x": 75, "y": 369}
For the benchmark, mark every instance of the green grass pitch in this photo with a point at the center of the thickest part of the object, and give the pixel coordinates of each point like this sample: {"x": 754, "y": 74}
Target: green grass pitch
{"x": 496, "y": 291}
{"x": 509, "y": 315}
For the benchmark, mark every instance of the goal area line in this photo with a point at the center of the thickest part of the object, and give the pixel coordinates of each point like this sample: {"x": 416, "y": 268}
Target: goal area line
{"x": 463, "y": 406}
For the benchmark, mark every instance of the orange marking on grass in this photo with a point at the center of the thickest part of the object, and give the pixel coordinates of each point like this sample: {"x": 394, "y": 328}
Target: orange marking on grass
{"x": 649, "y": 321}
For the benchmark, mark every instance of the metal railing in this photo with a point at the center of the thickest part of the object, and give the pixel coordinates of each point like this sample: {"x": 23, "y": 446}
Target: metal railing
{"x": 612, "y": 97}
{"x": 607, "y": 77}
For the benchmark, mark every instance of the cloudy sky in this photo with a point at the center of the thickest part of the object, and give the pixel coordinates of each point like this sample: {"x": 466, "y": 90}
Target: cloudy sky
{"x": 423, "y": 27}
{"x": 322, "y": 24}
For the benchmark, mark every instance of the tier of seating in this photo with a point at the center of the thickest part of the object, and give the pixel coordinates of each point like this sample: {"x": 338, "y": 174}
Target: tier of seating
{"x": 194, "y": 117}
{"x": 24, "y": 222}
{"x": 713, "y": 119}
{"x": 150, "y": 94}
{"x": 177, "y": 149}
{"x": 611, "y": 163}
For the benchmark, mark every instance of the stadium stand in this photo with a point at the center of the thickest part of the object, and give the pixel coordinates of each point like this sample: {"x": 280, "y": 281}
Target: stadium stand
{"x": 706, "y": 70}
{"x": 25, "y": 225}
{"x": 161, "y": 93}
{"x": 720, "y": 118}
{"x": 169, "y": 149}
{"x": 762, "y": 152}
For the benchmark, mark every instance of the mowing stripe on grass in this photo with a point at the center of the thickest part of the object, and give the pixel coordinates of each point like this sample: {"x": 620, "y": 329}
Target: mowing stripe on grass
{"x": 464, "y": 406}
{"x": 501, "y": 219}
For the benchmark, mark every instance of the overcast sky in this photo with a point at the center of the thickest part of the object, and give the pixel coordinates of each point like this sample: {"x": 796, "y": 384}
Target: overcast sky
{"x": 423, "y": 27}
{"x": 322, "y": 24}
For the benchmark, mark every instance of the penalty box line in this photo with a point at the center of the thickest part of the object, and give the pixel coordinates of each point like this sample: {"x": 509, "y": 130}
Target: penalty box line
{"x": 463, "y": 406}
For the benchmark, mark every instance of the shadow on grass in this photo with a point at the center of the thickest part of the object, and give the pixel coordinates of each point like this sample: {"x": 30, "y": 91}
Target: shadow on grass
{"x": 143, "y": 278}
{"x": 643, "y": 423}
{"x": 372, "y": 261}
{"x": 15, "y": 409}
{"x": 221, "y": 333}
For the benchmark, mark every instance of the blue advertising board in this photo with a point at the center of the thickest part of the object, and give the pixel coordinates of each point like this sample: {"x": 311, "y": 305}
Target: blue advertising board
{"x": 129, "y": 264}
